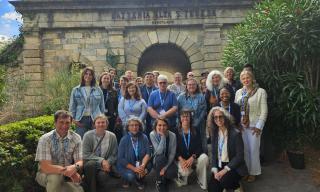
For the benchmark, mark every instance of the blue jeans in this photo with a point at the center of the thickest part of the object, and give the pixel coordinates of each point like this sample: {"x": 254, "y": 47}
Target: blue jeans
{"x": 86, "y": 121}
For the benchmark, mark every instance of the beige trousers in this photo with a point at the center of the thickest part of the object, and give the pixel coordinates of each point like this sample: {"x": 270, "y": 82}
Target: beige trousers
{"x": 201, "y": 170}
{"x": 56, "y": 183}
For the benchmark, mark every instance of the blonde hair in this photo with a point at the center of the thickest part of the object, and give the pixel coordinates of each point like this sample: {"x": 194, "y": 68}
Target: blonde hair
{"x": 227, "y": 69}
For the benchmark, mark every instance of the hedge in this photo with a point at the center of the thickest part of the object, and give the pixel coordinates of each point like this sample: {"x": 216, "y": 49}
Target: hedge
{"x": 18, "y": 144}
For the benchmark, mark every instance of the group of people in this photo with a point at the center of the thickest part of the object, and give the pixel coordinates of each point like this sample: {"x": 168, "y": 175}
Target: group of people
{"x": 126, "y": 128}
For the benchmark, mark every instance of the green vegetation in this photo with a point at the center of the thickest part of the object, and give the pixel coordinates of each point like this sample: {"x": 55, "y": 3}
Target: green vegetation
{"x": 18, "y": 144}
{"x": 281, "y": 38}
{"x": 9, "y": 54}
{"x": 58, "y": 89}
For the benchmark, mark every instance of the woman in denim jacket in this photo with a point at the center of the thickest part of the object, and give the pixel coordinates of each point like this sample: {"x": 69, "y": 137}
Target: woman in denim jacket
{"x": 86, "y": 102}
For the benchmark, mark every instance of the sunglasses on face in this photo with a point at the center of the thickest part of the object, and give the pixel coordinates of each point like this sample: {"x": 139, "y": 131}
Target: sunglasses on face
{"x": 218, "y": 117}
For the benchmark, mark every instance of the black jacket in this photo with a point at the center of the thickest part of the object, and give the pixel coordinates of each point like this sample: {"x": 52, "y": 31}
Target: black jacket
{"x": 235, "y": 151}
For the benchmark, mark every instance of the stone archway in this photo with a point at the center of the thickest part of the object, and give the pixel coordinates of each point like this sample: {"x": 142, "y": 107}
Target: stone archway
{"x": 147, "y": 41}
{"x": 166, "y": 58}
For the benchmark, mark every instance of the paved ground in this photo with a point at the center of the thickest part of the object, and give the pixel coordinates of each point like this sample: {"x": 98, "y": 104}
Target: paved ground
{"x": 277, "y": 177}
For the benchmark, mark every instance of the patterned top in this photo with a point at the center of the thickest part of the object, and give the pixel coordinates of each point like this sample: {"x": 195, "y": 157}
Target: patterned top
{"x": 60, "y": 151}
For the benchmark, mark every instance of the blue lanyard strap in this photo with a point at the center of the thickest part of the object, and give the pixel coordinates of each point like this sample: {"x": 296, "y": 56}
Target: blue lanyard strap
{"x": 185, "y": 140}
{"x": 192, "y": 103}
{"x": 135, "y": 146}
{"x": 162, "y": 100}
{"x": 229, "y": 108}
{"x": 214, "y": 91}
{"x": 244, "y": 94}
{"x": 131, "y": 105}
{"x": 220, "y": 146}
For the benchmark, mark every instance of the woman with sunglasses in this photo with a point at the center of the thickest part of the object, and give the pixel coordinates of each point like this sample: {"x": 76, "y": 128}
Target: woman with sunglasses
{"x": 228, "y": 165}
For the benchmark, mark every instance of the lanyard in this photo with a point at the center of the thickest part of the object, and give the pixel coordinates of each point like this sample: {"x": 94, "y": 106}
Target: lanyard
{"x": 106, "y": 96}
{"x": 148, "y": 91}
{"x": 87, "y": 97}
{"x": 220, "y": 147}
{"x": 162, "y": 100}
{"x": 244, "y": 94}
{"x": 229, "y": 108}
{"x": 185, "y": 140}
{"x": 215, "y": 92}
{"x": 158, "y": 138}
{"x": 135, "y": 146}
{"x": 131, "y": 105}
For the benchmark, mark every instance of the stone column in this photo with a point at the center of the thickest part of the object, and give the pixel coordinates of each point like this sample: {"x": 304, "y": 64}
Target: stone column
{"x": 33, "y": 69}
{"x": 116, "y": 43}
{"x": 212, "y": 46}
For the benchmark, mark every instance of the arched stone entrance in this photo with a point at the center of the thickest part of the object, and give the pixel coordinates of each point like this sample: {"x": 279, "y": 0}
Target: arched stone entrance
{"x": 166, "y": 58}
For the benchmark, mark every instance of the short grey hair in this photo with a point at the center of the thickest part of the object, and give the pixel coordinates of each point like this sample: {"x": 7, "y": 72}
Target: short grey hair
{"x": 162, "y": 77}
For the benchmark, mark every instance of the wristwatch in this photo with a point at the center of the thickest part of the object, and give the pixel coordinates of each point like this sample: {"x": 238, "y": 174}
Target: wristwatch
{"x": 77, "y": 167}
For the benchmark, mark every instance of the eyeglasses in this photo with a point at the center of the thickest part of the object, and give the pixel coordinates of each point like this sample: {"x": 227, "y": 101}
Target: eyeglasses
{"x": 218, "y": 117}
{"x": 162, "y": 82}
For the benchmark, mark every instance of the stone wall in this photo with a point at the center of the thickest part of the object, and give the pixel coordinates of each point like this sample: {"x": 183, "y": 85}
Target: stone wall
{"x": 59, "y": 33}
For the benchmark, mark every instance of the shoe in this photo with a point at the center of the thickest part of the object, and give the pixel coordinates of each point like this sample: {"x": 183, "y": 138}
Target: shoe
{"x": 125, "y": 184}
{"x": 251, "y": 178}
{"x": 139, "y": 184}
{"x": 161, "y": 187}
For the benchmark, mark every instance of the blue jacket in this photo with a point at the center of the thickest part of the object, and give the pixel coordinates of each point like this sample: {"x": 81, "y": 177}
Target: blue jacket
{"x": 77, "y": 102}
{"x": 126, "y": 152}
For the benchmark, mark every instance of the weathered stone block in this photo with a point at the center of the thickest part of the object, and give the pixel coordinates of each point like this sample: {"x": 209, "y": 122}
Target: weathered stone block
{"x": 197, "y": 65}
{"x": 134, "y": 52}
{"x": 29, "y": 53}
{"x": 181, "y": 38}
{"x": 31, "y": 61}
{"x": 71, "y": 46}
{"x": 193, "y": 49}
{"x": 187, "y": 44}
{"x": 34, "y": 76}
{"x": 212, "y": 64}
{"x": 153, "y": 37}
{"x": 101, "y": 52}
{"x": 211, "y": 49}
{"x": 173, "y": 36}
{"x": 131, "y": 59}
{"x": 163, "y": 35}
{"x": 212, "y": 41}
{"x": 115, "y": 38}
{"x": 139, "y": 45}
{"x": 212, "y": 56}
{"x": 33, "y": 69}
{"x": 196, "y": 57}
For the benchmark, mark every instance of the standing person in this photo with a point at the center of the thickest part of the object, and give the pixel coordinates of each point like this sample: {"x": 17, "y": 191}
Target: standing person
{"x": 190, "y": 155}
{"x": 132, "y": 104}
{"x": 86, "y": 102}
{"x": 113, "y": 73}
{"x": 111, "y": 102}
{"x": 156, "y": 75}
{"x": 139, "y": 81}
{"x": 229, "y": 105}
{"x": 133, "y": 161}
{"x": 203, "y": 86}
{"x": 59, "y": 154}
{"x": 164, "y": 144}
{"x": 129, "y": 75}
{"x": 163, "y": 103}
{"x": 228, "y": 165}
{"x": 215, "y": 81}
{"x": 146, "y": 91}
{"x": 190, "y": 75}
{"x": 123, "y": 84}
{"x": 254, "y": 112}
{"x": 100, "y": 154}
{"x": 204, "y": 74}
{"x": 229, "y": 75}
{"x": 194, "y": 100}
{"x": 177, "y": 87}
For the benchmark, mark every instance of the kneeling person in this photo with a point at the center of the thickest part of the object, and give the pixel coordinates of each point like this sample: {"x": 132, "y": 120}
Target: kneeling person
{"x": 59, "y": 154}
{"x": 100, "y": 153}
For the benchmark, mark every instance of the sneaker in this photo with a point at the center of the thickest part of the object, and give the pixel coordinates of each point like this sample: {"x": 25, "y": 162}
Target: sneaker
{"x": 161, "y": 187}
{"x": 125, "y": 184}
{"x": 178, "y": 182}
{"x": 139, "y": 184}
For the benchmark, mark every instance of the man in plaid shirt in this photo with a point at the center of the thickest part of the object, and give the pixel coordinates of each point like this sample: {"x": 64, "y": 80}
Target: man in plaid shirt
{"x": 59, "y": 153}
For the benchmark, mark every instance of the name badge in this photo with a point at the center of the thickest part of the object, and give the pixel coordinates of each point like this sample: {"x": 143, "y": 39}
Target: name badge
{"x": 242, "y": 113}
{"x": 137, "y": 164}
{"x": 220, "y": 164}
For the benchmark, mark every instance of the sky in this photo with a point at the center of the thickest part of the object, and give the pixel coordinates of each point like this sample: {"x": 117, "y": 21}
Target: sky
{"x": 10, "y": 20}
